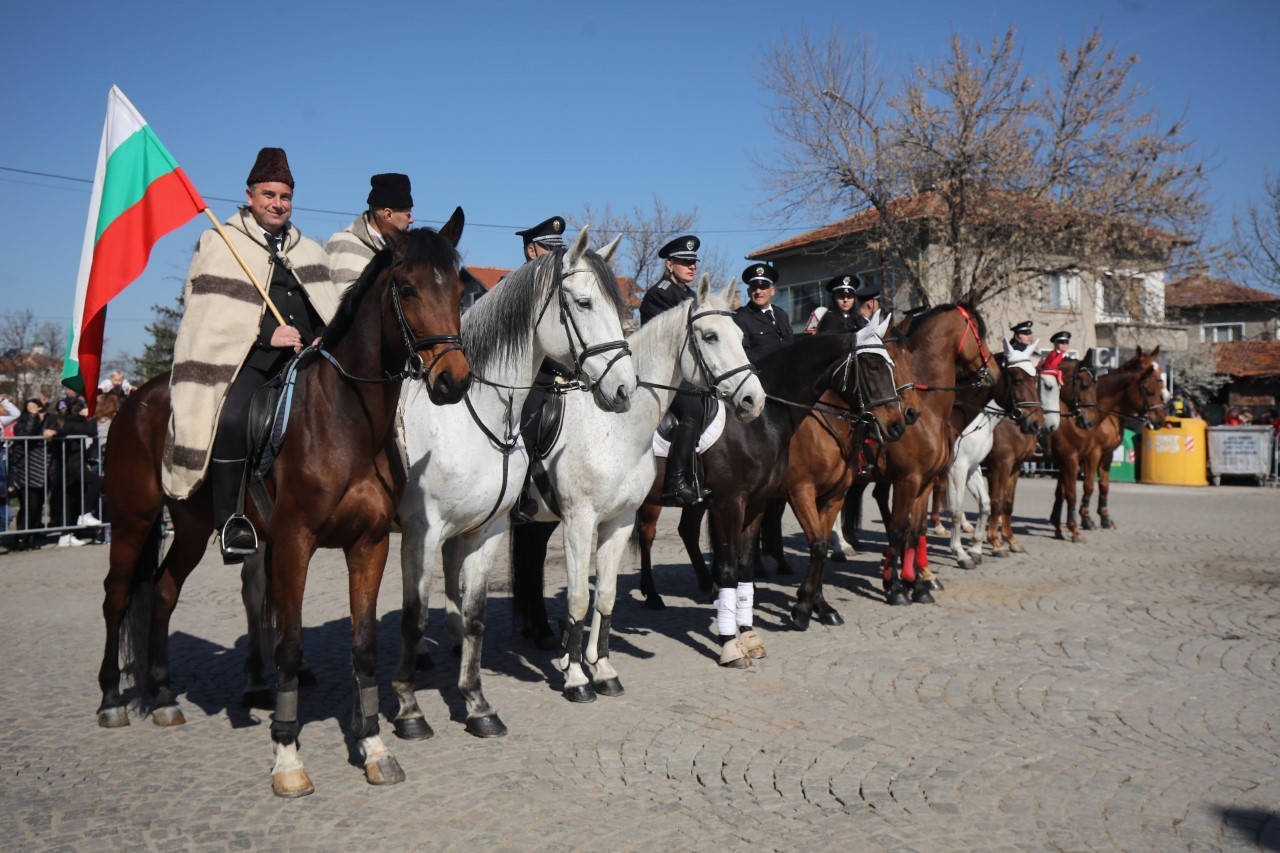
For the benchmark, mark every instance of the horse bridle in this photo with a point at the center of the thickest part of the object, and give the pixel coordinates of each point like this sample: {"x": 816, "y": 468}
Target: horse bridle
{"x": 708, "y": 375}
{"x": 1017, "y": 409}
{"x": 1078, "y": 407}
{"x": 984, "y": 373}
{"x": 415, "y": 366}
{"x": 571, "y": 329}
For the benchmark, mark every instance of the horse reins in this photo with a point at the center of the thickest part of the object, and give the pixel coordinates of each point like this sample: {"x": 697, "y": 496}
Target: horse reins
{"x": 984, "y": 372}
{"x": 708, "y": 375}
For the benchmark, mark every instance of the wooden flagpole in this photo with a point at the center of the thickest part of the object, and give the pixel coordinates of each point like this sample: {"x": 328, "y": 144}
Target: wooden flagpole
{"x": 244, "y": 265}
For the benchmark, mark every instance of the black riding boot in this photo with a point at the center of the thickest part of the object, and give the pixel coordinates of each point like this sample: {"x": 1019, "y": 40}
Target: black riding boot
{"x": 235, "y": 532}
{"x": 678, "y": 487}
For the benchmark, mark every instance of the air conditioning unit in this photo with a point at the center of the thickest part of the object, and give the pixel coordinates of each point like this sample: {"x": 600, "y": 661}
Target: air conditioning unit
{"x": 1107, "y": 358}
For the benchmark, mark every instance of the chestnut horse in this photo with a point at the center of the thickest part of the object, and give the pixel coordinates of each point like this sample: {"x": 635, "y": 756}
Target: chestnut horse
{"x": 1134, "y": 390}
{"x": 1077, "y": 396}
{"x": 948, "y": 353}
{"x": 335, "y": 483}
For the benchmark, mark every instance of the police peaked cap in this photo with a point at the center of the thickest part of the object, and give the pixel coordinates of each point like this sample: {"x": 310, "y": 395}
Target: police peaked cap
{"x": 547, "y": 232}
{"x": 760, "y": 272}
{"x": 684, "y": 247}
{"x": 848, "y": 281}
{"x": 1023, "y": 328}
{"x": 867, "y": 290}
{"x": 1060, "y": 338}
{"x": 390, "y": 189}
{"x": 270, "y": 167}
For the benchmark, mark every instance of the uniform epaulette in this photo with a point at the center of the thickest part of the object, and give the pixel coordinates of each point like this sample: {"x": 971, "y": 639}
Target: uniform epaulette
{"x": 662, "y": 285}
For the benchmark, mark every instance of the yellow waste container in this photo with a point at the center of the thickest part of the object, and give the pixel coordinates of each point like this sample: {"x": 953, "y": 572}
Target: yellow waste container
{"x": 1176, "y": 455}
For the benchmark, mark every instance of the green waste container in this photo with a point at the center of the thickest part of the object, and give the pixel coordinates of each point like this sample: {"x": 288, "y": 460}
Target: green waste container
{"x": 1123, "y": 469}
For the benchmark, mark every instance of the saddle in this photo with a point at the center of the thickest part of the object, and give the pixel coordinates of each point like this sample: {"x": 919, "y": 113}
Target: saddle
{"x": 540, "y": 434}
{"x": 268, "y": 421}
{"x": 710, "y": 432}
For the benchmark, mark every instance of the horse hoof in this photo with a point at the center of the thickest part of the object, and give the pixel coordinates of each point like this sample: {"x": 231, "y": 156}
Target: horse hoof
{"x": 306, "y": 678}
{"x": 837, "y": 557}
{"x": 113, "y": 718}
{"x": 1017, "y": 548}
{"x": 964, "y": 563}
{"x": 654, "y": 602}
{"x": 830, "y": 618}
{"x": 582, "y": 693}
{"x": 258, "y": 697}
{"x": 1107, "y": 523}
{"x": 897, "y": 598}
{"x": 1076, "y": 537}
{"x": 1086, "y": 523}
{"x": 487, "y": 726}
{"x": 383, "y": 770}
{"x": 609, "y": 687}
{"x": 999, "y": 553}
{"x": 412, "y": 728}
{"x": 422, "y": 661}
{"x": 752, "y": 645}
{"x": 168, "y": 715}
{"x": 977, "y": 559}
{"x": 966, "y": 529}
{"x": 292, "y": 783}
{"x": 921, "y": 595}
{"x": 934, "y": 584}
{"x": 1057, "y": 534}
{"x": 800, "y": 619}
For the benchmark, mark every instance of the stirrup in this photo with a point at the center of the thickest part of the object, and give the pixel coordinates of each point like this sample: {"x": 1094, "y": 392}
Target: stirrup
{"x": 238, "y": 538}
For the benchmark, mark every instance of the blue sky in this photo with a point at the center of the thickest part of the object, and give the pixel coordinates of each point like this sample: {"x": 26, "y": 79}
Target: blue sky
{"x": 519, "y": 114}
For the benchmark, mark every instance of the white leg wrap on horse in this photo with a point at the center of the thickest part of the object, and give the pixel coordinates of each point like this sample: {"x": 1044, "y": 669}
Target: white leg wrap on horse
{"x": 726, "y": 612}
{"x": 746, "y": 595}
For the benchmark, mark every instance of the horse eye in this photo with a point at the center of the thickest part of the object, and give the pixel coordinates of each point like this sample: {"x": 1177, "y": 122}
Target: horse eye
{"x": 584, "y": 303}
{"x": 711, "y": 337}
{"x": 408, "y": 290}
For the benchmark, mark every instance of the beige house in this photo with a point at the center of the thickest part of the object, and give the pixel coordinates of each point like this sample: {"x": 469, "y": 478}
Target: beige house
{"x": 1114, "y": 311}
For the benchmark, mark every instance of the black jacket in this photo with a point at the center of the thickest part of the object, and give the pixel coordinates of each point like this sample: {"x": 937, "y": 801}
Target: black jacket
{"x": 761, "y": 335}
{"x": 835, "y": 321}
{"x": 661, "y": 295}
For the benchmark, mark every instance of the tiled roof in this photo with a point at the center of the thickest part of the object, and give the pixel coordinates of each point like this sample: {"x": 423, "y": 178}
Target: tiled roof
{"x": 1248, "y": 358}
{"x": 932, "y": 205}
{"x": 1198, "y": 291}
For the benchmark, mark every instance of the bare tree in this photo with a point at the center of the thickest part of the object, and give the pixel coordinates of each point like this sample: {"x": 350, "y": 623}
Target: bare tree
{"x": 30, "y": 353}
{"x": 644, "y": 232}
{"x": 1257, "y": 236}
{"x": 1008, "y": 177}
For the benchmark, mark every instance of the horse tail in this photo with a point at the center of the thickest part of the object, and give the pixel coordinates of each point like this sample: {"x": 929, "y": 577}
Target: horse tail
{"x": 135, "y": 626}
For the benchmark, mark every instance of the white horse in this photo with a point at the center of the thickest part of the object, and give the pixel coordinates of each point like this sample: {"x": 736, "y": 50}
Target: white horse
{"x": 598, "y": 493}
{"x": 975, "y": 442}
{"x": 467, "y": 464}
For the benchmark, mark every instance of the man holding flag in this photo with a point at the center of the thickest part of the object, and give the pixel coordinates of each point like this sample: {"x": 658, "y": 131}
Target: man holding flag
{"x": 229, "y": 345}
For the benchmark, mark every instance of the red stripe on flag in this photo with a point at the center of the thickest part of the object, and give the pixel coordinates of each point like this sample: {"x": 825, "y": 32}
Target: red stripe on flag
{"x": 121, "y": 255}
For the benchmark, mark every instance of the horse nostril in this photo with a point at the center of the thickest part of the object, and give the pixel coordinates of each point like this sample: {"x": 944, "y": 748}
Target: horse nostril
{"x": 747, "y": 404}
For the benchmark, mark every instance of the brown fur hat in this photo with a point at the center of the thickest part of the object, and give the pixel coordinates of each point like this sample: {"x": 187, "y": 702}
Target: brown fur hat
{"x": 271, "y": 166}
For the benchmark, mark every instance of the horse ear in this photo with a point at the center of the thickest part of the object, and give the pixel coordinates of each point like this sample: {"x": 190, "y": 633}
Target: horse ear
{"x": 452, "y": 230}
{"x": 735, "y": 295}
{"x": 1008, "y": 350}
{"x": 704, "y": 287}
{"x": 1087, "y": 361}
{"x": 884, "y": 323}
{"x": 1035, "y": 346}
{"x": 579, "y": 247}
{"x": 608, "y": 250}
{"x": 1155, "y": 352}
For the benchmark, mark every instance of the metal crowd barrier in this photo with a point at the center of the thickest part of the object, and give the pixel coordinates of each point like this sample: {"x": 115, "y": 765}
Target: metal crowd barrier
{"x": 55, "y": 504}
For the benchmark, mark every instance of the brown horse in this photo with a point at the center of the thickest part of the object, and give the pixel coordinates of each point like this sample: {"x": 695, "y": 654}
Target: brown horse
{"x": 1135, "y": 390}
{"x": 948, "y": 353}
{"x": 336, "y": 483}
{"x": 1078, "y": 397}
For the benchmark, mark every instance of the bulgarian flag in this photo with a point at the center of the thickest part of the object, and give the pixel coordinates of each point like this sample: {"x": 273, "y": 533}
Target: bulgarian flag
{"x": 139, "y": 195}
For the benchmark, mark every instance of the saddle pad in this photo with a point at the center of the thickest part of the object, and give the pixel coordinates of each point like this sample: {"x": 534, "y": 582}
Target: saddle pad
{"x": 709, "y": 436}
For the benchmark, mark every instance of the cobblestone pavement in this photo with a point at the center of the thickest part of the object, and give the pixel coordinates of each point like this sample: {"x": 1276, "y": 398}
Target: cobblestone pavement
{"x": 1116, "y": 694}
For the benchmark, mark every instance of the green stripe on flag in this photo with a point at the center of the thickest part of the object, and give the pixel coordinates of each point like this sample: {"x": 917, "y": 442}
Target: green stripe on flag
{"x": 131, "y": 168}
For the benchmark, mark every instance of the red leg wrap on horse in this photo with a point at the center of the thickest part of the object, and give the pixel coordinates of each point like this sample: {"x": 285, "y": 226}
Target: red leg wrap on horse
{"x": 909, "y": 565}
{"x": 887, "y": 569}
{"x": 922, "y": 552}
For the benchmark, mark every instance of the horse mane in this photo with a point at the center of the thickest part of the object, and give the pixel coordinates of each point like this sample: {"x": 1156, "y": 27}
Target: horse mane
{"x": 499, "y": 330}
{"x": 420, "y": 246}
{"x": 913, "y": 323}
{"x": 779, "y": 370}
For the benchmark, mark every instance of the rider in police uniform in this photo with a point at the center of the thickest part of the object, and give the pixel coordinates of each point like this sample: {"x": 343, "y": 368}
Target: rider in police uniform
{"x": 842, "y": 316}
{"x": 1053, "y": 361}
{"x": 1022, "y": 336}
{"x": 765, "y": 326}
{"x": 680, "y": 257}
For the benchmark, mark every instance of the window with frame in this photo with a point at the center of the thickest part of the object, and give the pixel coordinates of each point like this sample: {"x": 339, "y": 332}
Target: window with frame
{"x": 1221, "y": 333}
{"x": 1121, "y": 295}
{"x": 1062, "y": 293}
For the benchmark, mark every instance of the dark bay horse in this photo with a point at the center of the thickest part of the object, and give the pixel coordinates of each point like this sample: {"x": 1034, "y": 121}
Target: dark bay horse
{"x": 1134, "y": 390}
{"x": 749, "y": 464}
{"x": 336, "y": 483}
{"x": 1078, "y": 398}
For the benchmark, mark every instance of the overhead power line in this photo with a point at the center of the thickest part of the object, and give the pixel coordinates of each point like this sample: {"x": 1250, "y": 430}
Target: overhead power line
{"x": 353, "y": 213}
